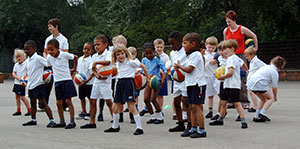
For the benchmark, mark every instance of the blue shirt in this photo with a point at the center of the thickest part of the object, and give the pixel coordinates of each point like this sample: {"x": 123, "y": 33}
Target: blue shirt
{"x": 153, "y": 66}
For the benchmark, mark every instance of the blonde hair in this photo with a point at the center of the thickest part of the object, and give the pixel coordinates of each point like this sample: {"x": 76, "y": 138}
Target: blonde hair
{"x": 220, "y": 45}
{"x": 212, "y": 41}
{"x": 19, "y": 52}
{"x": 231, "y": 43}
{"x": 158, "y": 41}
{"x": 132, "y": 50}
{"x": 119, "y": 48}
{"x": 278, "y": 61}
{"x": 250, "y": 50}
{"x": 120, "y": 39}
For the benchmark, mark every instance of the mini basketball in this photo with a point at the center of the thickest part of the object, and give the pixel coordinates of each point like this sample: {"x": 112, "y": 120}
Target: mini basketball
{"x": 169, "y": 74}
{"x": 177, "y": 75}
{"x": 140, "y": 81}
{"x": 114, "y": 71}
{"x": 23, "y": 81}
{"x": 104, "y": 71}
{"x": 220, "y": 70}
{"x": 249, "y": 42}
{"x": 48, "y": 76}
{"x": 79, "y": 77}
{"x": 155, "y": 82}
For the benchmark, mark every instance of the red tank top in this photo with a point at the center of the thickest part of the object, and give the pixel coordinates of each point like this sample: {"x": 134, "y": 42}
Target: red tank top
{"x": 239, "y": 37}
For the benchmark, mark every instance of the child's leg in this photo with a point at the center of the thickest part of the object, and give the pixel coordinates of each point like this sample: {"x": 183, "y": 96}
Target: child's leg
{"x": 160, "y": 100}
{"x": 44, "y": 104}
{"x": 254, "y": 99}
{"x": 83, "y": 105}
{"x": 154, "y": 94}
{"x": 174, "y": 109}
{"x": 186, "y": 107}
{"x": 110, "y": 104}
{"x": 210, "y": 103}
{"x": 132, "y": 109}
{"x": 147, "y": 96}
{"x": 239, "y": 109}
{"x": 93, "y": 109}
{"x": 193, "y": 115}
{"x": 223, "y": 105}
{"x": 18, "y": 103}
{"x": 23, "y": 98}
{"x": 33, "y": 108}
{"x": 178, "y": 110}
{"x": 199, "y": 115}
{"x": 60, "y": 109}
{"x": 101, "y": 106}
{"x": 71, "y": 107}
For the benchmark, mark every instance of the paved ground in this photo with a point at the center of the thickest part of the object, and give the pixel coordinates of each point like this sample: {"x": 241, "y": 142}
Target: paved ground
{"x": 282, "y": 132}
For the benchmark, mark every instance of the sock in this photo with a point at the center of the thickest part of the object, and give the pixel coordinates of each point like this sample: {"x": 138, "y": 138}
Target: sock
{"x": 62, "y": 120}
{"x": 189, "y": 124}
{"x": 138, "y": 121}
{"x": 184, "y": 115}
{"x": 51, "y": 120}
{"x": 218, "y": 113}
{"x": 159, "y": 116}
{"x": 83, "y": 111}
{"x": 210, "y": 109}
{"x": 257, "y": 113}
{"x": 243, "y": 120}
{"x": 263, "y": 112}
{"x": 193, "y": 129}
{"x": 220, "y": 118}
{"x": 18, "y": 109}
{"x": 28, "y": 110}
{"x": 33, "y": 119}
{"x": 201, "y": 130}
{"x": 153, "y": 116}
{"x": 100, "y": 111}
{"x": 72, "y": 120}
{"x": 145, "y": 108}
{"x": 115, "y": 121}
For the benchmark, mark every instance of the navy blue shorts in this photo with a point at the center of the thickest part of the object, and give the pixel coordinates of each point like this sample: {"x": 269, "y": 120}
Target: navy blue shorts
{"x": 85, "y": 91}
{"x": 136, "y": 93}
{"x": 221, "y": 89}
{"x": 65, "y": 89}
{"x": 260, "y": 92}
{"x": 124, "y": 91}
{"x": 196, "y": 94}
{"x": 37, "y": 92}
{"x": 164, "y": 90}
{"x": 230, "y": 95}
{"x": 19, "y": 90}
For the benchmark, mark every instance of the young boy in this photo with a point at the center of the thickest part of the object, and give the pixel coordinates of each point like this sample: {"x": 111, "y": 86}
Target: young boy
{"x": 195, "y": 83}
{"x": 211, "y": 44}
{"x": 64, "y": 86}
{"x": 35, "y": 67}
{"x": 232, "y": 83}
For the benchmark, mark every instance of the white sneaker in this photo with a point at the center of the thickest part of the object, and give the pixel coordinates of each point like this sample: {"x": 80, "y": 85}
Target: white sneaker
{"x": 87, "y": 118}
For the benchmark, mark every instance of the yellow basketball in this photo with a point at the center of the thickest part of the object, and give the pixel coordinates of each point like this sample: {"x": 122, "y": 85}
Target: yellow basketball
{"x": 220, "y": 70}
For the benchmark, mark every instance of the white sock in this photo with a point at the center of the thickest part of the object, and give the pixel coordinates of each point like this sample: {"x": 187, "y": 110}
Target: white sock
{"x": 257, "y": 113}
{"x": 138, "y": 121}
{"x": 263, "y": 112}
{"x": 184, "y": 115}
{"x": 115, "y": 121}
{"x": 159, "y": 116}
{"x": 153, "y": 116}
{"x": 218, "y": 113}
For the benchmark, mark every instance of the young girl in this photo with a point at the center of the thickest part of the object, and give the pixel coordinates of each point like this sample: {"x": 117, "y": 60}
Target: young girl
{"x": 19, "y": 71}
{"x": 153, "y": 65}
{"x": 124, "y": 88}
{"x": 259, "y": 83}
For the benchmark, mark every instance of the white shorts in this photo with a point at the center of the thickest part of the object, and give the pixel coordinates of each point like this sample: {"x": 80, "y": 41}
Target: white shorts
{"x": 100, "y": 91}
{"x": 212, "y": 86}
{"x": 179, "y": 89}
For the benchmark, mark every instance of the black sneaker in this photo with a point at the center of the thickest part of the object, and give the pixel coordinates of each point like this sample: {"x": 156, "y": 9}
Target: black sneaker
{"x": 50, "y": 124}
{"x": 198, "y": 135}
{"x": 178, "y": 128}
{"x": 251, "y": 110}
{"x": 158, "y": 121}
{"x": 89, "y": 125}
{"x": 59, "y": 125}
{"x": 112, "y": 129}
{"x": 126, "y": 110}
{"x": 216, "y": 123}
{"x": 138, "y": 132}
{"x": 238, "y": 119}
{"x": 30, "y": 123}
{"x": 215, "y": 117}
{"x": 187, "y": 133}
{"x": 209, "y": 115}
{"x": 244, "y": 126}
{"x": 100, "y": 118}
{"x": 81, "y": 115}
{"x": 174, "y": 117}
{"x": 264, "y": 117}
{"x": 121, "y": 119}
{"x": 27, "y": 114}
{"x": 151, "y": 121}
{"x": 132, "y": 121}
{"x": 258, "y": 120}
{"x": 70, "y": 126}
{"x": 16, "y": 114}
{"x": 143, "y": 112}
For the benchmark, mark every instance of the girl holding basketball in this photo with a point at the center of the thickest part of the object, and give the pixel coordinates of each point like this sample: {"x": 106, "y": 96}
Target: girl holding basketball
{"x": 124, "y": 87}
{"x": 153, "y": 64}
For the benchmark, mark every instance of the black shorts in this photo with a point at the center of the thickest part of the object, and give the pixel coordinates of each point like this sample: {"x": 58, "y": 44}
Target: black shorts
{"x": 196, "y": 94}
{"x": 221, "y": 89}
{"x": 19, "y": 90}
{"x": 85, "y": 91}
{"x": 230, "y": 95}
{"x": 260, "y": 92}
{"x": 124, "y": 90}
{"x": 37, "y": 92}
{"x": 137, "y": 92}
{"x": 65, "y": 89}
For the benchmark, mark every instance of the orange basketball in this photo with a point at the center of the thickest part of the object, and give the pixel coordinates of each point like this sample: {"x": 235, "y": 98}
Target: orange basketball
{"x": 104, "y": 71}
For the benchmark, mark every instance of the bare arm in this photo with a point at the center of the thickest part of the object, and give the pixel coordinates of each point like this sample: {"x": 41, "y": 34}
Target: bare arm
{"x": 14, "y": 74}
{"x": 224, "y": 33}
{"x": 187, "y": 69}
{"x": 228, "y": 74}
{"x": 75, "y": 64}
{"x": 145, "y": 71}
{"x": 250, "y": 34}
{"x": 275, "y": 94}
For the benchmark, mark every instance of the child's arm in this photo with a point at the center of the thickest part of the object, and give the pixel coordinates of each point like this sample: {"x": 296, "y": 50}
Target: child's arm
{"x": 104, "y": 63}
{"x": 246, "y": 68}
{"x": 14, "y": 74}
{"x": 187, "y": 69}
{"x": 75, "y": 64}
{"x": 87, "y": 80}
{"x": 275, "y": 94}
{"x": 228, "y": 74}
{"x": 145, "y": 71}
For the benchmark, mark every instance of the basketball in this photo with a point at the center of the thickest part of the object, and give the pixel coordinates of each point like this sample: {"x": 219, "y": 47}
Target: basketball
{"x": 48, "y": 76}
{"x": 140, "y": 81}
{"x": 169, "y": 74}
{"x": 104, "y": 71}
{"x": 79, "y": 77}
{"x": 220, "y": 70}
{"x": 177, "y": 75}
{"x": 155, "y": 82}
{"x": 23, "y": 81}
{"x": 114, "y": 71}
{"x": 249, "y": 42}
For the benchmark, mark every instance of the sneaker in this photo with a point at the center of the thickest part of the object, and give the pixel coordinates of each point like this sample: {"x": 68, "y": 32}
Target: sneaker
{"x": 16, "y": 114}
{"x": 244, "y": 126}
{"x": 174, "y": 117}
{"x": 216, "y": 123}
{"x": 121, "y": 119}
{"x": 215, "y": 117}
{"x": 158, "y": 121}
{"x": 100, "y": 118}
{"x": 151, "y": 121}
{"x": 30, "y": 123}
{"x": 59, "y": 125}
{"x": 126, "y": 110}
{"x": 143, "y": 112}
{"x": 40, "y": 109}
{"x": 87, "y": 118}
{"x": 81, "y": 115}
{"x": 238, "y": 119}
{"x": 89, "y": 125}
{"x": 138, "y": 132}
{"x": 112, "y": 129}
{"x": 177, "y": 128}
{"x": 209, "y": 115}
{"x": 70, "y": 126}
{"x": 27, "y": 114}
{"x": 198, "y": 135}
{"x": 258, "y": 120}
{"x": 251, "y": 110}
{"x": 132, "y": 121}
{"x": 50, "y": 124}
{"x": 187, "y": 133}
{"x": 264, "y": 117}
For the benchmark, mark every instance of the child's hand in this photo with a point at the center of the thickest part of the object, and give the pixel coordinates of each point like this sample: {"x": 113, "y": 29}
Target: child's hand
{"x": 177, "y": 65}
{"x": 213, "y": 61}
{"x": 94, "y": 66}
{"x": 162, "y": 83}
{"x": 83, "y": 82}
{"x": 19, "y": 79}
{"x": 221, "y": 77}
{"x": 275, "y": 99}
{"x": 72, "y": 71}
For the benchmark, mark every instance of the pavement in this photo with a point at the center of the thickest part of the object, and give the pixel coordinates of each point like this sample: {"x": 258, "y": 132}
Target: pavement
{"x": 282, "y": 132}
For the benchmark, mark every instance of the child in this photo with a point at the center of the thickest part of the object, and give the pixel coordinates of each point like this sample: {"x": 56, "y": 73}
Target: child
{"x": 101, "y": 86}
{"x": 195, "y": 83}
{"x": 259, "y": 84}
{"x": 64, "y": 86}
{"x": 211, "y": 44}
{"x": 153, "y": 65}
{"x": 232, "y": 83}
{"x": 124, "y": 88}
{"x": 255, "y": 64}
{"x": 35, "y": 67}
{"x": 85, "y": 87}
{"x": 19, "y": 71}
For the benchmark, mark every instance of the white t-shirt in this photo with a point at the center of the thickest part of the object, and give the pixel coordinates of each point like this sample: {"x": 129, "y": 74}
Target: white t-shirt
{"x": 222, "y": 61}
{"x": 83, "y": 67}
{"x": 127, "y": 68}
{"x": 235, "y": 80}
{"x": 105, "y": 56}
{"x": 60, "y": 66}
{"x": 164, "y": 57}
{"x": 255, "y": 64}
{"x": 35, "y": 70}
{"x": 20, "y": 70}
{"x": 63, "y": 41}
{"x": 264, "y": 76}
{"x": 210, "y": 68}
{"x": 175, "y": 56}
{"x": 197, "y": 76}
